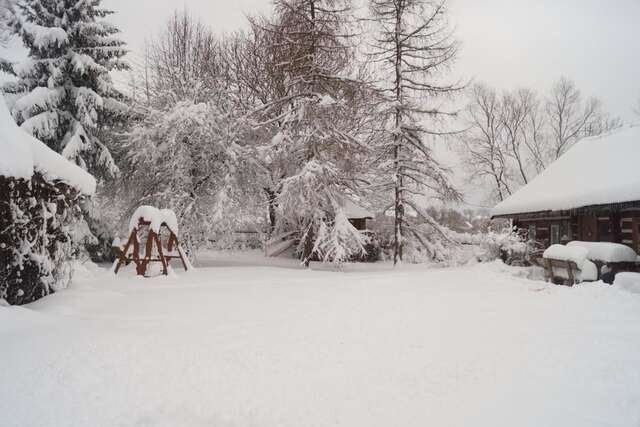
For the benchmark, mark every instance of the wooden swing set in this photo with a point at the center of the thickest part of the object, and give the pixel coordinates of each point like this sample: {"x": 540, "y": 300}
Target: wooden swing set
{"x": 131, "y": 250}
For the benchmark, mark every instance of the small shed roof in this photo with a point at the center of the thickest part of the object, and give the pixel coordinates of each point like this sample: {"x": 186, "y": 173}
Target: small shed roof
{"x": 596, "y": 171}
{"x": 21, "y": 154}
{"x": 354, "y": 211}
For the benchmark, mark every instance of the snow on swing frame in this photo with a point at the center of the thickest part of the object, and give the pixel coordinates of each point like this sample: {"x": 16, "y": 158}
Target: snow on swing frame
{"x": 156, "y": 220}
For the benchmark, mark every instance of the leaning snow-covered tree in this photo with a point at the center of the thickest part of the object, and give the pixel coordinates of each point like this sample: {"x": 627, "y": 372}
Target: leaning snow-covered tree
{"x": 319, "y": 124}
{"x": 40, "y": 196}
{"x": 66, "y": 94}
{"x": 413, "y": 47}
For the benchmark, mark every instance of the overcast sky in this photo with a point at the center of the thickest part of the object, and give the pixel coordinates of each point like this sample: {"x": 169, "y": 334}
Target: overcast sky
{"x": 506, "y": 43}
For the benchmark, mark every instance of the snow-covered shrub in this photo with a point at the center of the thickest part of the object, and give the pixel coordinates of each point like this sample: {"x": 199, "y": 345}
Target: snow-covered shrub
{"x": 431, "y": 243}
{"x": 185, "y": 157}
{"x": 37, "y": 218}
{"x": 338, "y": 241}
{"x": 506, "y": 245}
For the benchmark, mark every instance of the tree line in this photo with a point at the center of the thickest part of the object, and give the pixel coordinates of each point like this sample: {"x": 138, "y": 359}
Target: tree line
{"x": 293, "y": 116}
{"x": 318, "y": 101}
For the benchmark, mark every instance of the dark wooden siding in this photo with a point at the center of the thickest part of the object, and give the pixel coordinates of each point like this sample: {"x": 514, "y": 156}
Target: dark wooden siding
{"x": 595, "y": 227}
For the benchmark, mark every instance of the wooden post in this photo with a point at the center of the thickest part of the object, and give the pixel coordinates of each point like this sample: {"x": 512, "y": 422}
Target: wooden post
{"x": 123, "y": 256}
{"x": 570, "y": 272}
{"x": 173, "y": 241}
{"x": 147, "y": 255}
{"x": 156, "y": 238}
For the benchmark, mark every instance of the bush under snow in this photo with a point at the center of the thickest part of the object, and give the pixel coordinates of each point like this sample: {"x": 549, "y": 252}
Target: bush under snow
{"x": 37, "y": 219}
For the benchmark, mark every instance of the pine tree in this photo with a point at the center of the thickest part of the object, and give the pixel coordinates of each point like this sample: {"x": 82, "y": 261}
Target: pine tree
{"x": 66, "y": 95}
{"x": 413, "y": 46}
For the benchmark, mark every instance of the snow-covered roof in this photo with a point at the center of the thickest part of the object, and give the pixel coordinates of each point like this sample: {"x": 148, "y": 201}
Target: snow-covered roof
{"x": 21, "y": 154}
{"x": 354, "y": 211}
{"x": 595, "y": 171}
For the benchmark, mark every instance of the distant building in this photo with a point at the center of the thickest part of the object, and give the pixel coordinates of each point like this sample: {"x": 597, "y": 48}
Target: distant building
{"x": 591, "y": 193}
{"x": 356, "y": 214}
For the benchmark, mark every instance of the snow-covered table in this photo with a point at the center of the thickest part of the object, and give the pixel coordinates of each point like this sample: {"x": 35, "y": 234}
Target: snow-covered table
{"x": 610, "y": 258}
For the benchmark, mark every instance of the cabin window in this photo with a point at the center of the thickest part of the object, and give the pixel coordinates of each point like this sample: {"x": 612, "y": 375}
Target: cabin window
{"x": 555, "y": 234}
{"x": 532, "y": 232}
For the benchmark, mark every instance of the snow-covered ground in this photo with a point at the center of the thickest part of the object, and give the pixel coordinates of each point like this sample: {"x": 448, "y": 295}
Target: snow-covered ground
{"x": 243, "y": 344}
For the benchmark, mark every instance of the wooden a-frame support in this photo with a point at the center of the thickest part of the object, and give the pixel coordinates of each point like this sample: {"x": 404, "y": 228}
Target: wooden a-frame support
{"x": 153, "y": 239}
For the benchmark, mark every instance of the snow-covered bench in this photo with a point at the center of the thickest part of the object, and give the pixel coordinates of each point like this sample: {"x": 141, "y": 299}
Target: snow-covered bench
{"x": 570, "y": 265}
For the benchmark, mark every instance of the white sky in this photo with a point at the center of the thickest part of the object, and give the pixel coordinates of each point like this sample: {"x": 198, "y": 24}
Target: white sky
{"x": 506, "y": 43}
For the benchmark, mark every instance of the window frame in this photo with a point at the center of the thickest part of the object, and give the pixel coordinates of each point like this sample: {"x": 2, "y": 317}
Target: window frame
{"x": 554, "y": 229}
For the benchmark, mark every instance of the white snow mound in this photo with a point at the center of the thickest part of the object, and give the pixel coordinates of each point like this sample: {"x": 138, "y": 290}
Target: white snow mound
{"x": 630, "y": 282}
{"x": 606, "y": 251}
{"x": 156, "y": 217}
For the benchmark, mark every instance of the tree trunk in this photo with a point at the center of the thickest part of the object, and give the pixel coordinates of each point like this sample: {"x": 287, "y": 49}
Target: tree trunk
{"x": 272, "y": 203}
{"x": 399, "y": 199}
{"x": 308, "y": 247}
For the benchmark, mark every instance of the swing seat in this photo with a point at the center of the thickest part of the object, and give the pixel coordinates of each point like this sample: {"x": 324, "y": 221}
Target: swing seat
{"x": 154, "y": 250}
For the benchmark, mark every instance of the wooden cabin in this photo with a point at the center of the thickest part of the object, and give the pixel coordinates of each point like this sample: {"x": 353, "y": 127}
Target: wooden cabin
{"x": 590, "y": 193}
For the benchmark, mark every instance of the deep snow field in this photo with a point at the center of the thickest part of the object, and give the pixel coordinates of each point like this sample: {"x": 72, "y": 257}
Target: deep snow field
{"x": 248, "y": 341}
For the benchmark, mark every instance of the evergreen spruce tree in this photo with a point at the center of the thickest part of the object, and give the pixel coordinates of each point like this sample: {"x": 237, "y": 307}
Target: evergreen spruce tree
{"x": 65, "y": 95}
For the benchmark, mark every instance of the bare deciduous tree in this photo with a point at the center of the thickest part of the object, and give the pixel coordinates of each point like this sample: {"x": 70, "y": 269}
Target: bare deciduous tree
{"x": 185, "y": 61}
{"x": 484, "y": 147}
{"x": 516, "y": 109}
{"x": 571, "y": 118}
{"x": 513, "y": 137}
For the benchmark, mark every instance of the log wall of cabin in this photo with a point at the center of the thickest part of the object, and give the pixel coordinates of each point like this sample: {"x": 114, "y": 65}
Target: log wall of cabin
{"x": 543, "y": 228}
{"x": 621, "y": 227}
